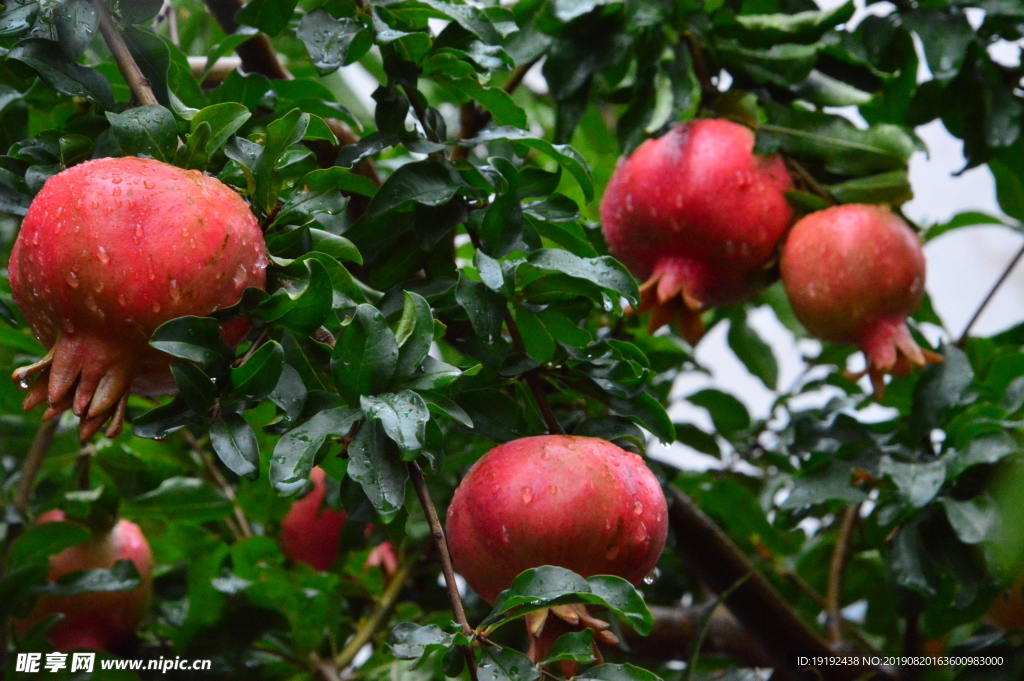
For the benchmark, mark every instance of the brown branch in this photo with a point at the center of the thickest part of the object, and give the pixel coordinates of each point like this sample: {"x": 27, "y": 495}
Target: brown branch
{"x": 33, "y": 462}
{"x": 991, "y": 294}
{"x": 719, "y": 563}
{"x": 130, "y": 71}
{"x": 376, "y": 620}
{"x": 836, "y": 571}
{"x": 420, "y": 484}
{"x": 533, "y": 379}
{"x": 473, "y": 119}
{"x": 257, "y": 53}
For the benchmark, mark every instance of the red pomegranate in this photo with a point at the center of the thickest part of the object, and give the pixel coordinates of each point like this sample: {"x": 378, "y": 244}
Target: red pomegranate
{"x": 110, "y": 250}
{"x": 575, "y": 502}
{"x": 697, "y": 216}
{"x": 853, "y": 274}
{"x": 310, "y": 532}
{"x": 102, "y": 619}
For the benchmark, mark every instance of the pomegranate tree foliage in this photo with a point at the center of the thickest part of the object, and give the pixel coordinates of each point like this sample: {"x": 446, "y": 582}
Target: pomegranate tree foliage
{"x": 438, "y": 283}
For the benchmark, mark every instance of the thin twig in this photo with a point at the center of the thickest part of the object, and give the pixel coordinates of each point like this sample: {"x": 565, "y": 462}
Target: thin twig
{"x": 420, "y": 484}
{"x": 991, "y": 294}
{"x": 836, "y": 570}
{"x": 130, "y": 71}
{"x": 241, "y": 528}
{"x": 376, "y": 620}
{"x": 33, "y": 462}
{"x": 708, "y": 91}
{"x": 812, "y": 183}
{"x": 533, "y": 380}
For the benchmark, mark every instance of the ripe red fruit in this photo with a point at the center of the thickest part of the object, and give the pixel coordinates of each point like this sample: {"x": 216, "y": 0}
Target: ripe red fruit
{"x": 575, "y": 502}
{"x": 310, "y": 532}
{"x": 110, "y": 250}
{"x": 96, "y": 620}
{"x": 853, "y": 274}
{"x": 697, "y": 216}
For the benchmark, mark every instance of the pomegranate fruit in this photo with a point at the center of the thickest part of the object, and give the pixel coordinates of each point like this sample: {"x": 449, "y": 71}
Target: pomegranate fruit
{"x": 697, "y": 216}
{"x": 310, "y": 532}
{"x": 100, "y": 619}
{"x": 110, "y": 250}
{"x": 853, "y": 274}
{"x": 575, "y": 502}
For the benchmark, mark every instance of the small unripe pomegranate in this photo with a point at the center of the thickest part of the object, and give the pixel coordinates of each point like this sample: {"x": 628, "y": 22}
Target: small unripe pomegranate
{"x": 853, "y": 274}
{"x": 111, "y": 249}
{"x": 311, "y": 531}
{"x": 1007, "y": 610}
{"x": 102, "y": 619}
{"x": 696, "y": 216}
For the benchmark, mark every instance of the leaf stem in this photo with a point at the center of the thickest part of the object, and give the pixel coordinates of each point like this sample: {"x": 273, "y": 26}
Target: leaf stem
{"x": 437, "y": 531}
{"x": 126, "y": 64}
{"x": 377, "y": 618}
{"x": 240, "y": 528}
{"x": 991, "y": 294}
{"x": 836, "y": 571}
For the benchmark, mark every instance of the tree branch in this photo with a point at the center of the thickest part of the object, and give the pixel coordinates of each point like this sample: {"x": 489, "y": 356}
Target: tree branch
{"x": 420, "y": 484}
{"x": 836, "y": 570}
{"x": 130, "y": 71}
{"x": 241, "y": 528}
{"x": 33, "y": 462}
{"x": 708, "y": 91}
{"x": 719, "y": 563}
{"x": 376, "y": 620}
{"x": 991, "y": 294}
{"x": 473, "y": 119}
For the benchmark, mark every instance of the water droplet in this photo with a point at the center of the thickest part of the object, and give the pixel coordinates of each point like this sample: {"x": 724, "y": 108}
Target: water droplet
{"x": 505, "y": 537}
{"x": 527, "y": 495}
{"x": 241, "y": 275}
{"x": 116, "y": 180}
{"x": 149, "y": 184}
{"x": 98, "y": 288}
{"x": 651, "y": 577}
{"x": 552, "y": 489}
{"x": 102, "y": 254}
{"x": 629, "y": 202}
{"x": 122, "y": 301}
{"x": 184, "y": 232}
{"x": 117, "y": 191}
{"x": 23, "y": 383}
{"x": 156, "y": 307}
{"x": 117, "y": 204}
{"x": 638, "y": 508}
{"x": 612, "y": 553}
{"x": 175, "y": 291}
{"x": 72, "y": 279}
{"x": 95, "y": 205}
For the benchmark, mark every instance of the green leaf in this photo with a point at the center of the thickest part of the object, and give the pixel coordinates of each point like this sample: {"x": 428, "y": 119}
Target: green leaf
{"x": 548, "y": 586}
{"x": 139, "y": 11}
{"x": 293, "y": 456}
{"x": 39, "y": 542}
{"x": 538, "y": 341}
{"x": 333, "y": 43}
{"x": 892, "y": 188}
{"x": 270, "y": 16}
{"x": 972, "y": 520}
{"x": 485, "y": 308}
{"x": 193, "y": 155}
{"x": 194, "y": 386}
{"x": 917, "y": 482}
{"x": 259, "y": 375}
{"x": 235, "y": 443}
{"x": 576, "y": 646}
{"x": 281, "y": 134}
{"x": 302, "y": 308}
{"x": 468, "y": 17}
{"x": 403, "y": 416}
{"x": 146, "y": 131}
{"x": 429, "y": 182}
{"x": 414, "y": 336}
{"x": 617, "y": 672}
{"x": 375, "y": 463}
{"x": 781, "y": 64}
{"x": 365, "y": 355}
{"x": 835, "y": 142}
{"x": 984, "y": 450}
{"x": 76, "y": 22}
{"x": 945, "y": 36}
{"x": 566, "y": 157}
{"x": 62, "y": 74}
{"x": 187, "y": 500}
{"x": 439, "y": 404}
{"x": 409, "y": 641}
{"x": 606, "y": 272}
{"x": 161, "y": 421}
{"x": 941, "y": 387}
{"x": 224, "y": 119}
{"x": 727, "y": 412}
{"x": 196, "y": 339}
{"x": 800, "y": 27}
{"x": 123, "y": 576}
{"x": 17, "y": 20}
{"x": 756, "y": 355}
{"x": 505, "y": 664}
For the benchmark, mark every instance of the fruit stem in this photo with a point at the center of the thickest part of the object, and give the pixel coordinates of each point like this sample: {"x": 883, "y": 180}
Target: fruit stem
{"x": 836, "y": 571}
{"x": 991, "y": 294}
{"x": 437, "y": 531}
{"x": 130, "y": 71}
{"x": 377, "y": 618}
